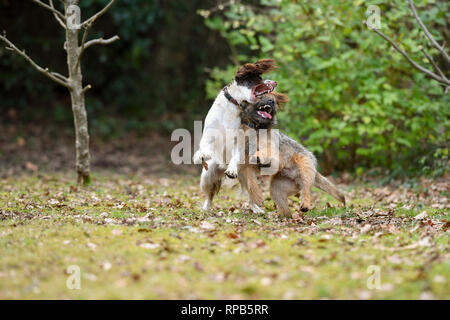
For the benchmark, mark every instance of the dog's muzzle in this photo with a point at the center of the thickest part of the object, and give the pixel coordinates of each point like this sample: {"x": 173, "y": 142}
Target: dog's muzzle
{"x": 266, "y": 87}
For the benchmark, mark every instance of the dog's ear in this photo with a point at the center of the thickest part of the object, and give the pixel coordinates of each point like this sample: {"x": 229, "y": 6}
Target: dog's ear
{"x": 266, "y": 65}
{"x": 281, "y": 99}
{"x": 256, "y": 69}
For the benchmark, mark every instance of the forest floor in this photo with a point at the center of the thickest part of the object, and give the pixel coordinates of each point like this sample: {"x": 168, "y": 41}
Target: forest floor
{"x": 137, "y": 232}
{"x": 144, "y": 237}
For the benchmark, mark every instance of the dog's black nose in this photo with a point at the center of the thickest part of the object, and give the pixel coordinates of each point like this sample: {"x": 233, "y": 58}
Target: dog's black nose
{"x": 271, "y": 101}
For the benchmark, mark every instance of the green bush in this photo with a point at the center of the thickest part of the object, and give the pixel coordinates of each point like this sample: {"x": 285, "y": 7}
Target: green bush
{"x": 355, "y": 102}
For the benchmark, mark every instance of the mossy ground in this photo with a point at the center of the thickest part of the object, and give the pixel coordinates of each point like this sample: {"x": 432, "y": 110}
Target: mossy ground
{"x": 145, "y": 237}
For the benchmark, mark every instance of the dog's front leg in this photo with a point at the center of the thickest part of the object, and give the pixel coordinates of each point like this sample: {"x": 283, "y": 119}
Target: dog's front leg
{"x": 232, "y": 169}
{"x": 235, "y": 141}
{"x": 206, "y": 149}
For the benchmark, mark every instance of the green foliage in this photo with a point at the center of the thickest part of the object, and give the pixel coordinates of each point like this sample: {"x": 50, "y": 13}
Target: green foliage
{"x": 355, "y": 102}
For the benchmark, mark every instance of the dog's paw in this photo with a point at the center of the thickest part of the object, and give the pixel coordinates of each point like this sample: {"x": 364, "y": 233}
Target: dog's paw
{"x": 206, "y": 205}
{"x": 256, "y": 209}
{"x": 306, "y": 208}
{"x": 202, "y": 156}
{"x": 231, "y": 173}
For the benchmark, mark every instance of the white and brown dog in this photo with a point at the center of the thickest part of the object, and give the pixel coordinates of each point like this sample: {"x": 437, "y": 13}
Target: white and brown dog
{"x": 224, "y": 115}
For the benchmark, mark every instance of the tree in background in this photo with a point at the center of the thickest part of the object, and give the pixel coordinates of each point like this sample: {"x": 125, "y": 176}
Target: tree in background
{"x": 440, "y": 76}
{"x": 159, "y": 46}
{"x": 69, "y": 21}
{"x": 355, "y": 102}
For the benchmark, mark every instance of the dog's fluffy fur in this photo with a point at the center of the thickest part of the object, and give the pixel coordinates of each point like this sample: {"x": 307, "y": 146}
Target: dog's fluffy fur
{"x": 297, "y": 167}
{"x": 249, "y": 172}
{"x": 222, "y": 116}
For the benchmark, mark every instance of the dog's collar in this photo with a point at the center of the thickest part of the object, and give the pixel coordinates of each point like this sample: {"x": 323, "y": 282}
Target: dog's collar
{"x": 230, "y": 98}
{"x": 255, "y": 125}
{"x": 249, "y": 124}
{"x": 234, "y": 101}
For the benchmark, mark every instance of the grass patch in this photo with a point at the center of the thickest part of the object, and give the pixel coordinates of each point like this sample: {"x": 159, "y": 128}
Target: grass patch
{"x": 145, "y": 237}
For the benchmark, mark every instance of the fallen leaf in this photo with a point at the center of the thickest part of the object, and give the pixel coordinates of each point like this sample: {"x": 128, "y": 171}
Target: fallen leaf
{"x": 366, "y": 228}
{"x": 106, "y": 265}
{"x": 198, "y": 266}
{"x": 266, "y": 281}
{"x": 149, "y": 245}
{"x": 92, "y": 246}
{"x": 207, "y": 226}
{"x": 116, "y": 232}
{"x": 183, "y": 258}
{"x": 421, "y": 215}
{"x": 257, "y": 222}
{"x": 232, "y": 235}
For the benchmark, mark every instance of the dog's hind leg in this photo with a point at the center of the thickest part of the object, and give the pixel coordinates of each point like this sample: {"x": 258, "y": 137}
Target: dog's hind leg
{"x": 280, "y": 189}
{"x": 307, "y": 172}
{"x": 254, "y": 207}
{"x": 256, "y": 197}
{"x": 249, "y": 182}
{"x": 210, "y": 183}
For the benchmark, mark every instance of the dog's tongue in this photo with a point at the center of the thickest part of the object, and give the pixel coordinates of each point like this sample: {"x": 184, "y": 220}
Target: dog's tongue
{"x": 265, "y": 114}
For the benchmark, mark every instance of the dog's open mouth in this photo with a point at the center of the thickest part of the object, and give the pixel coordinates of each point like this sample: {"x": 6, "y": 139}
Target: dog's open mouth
{"x": 265, "y": 111}
{"x": 266, "y": 87}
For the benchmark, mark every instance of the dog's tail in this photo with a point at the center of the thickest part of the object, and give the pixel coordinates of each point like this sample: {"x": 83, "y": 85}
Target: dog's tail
{"x": 325, "y": 185}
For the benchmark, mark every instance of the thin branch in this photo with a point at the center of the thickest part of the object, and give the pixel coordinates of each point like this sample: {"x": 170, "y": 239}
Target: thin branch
{"x": 51, "y": 8}
{"x": 434, "y": 64}
{"x": 101, "y": 41}
{"x": 98, "y": 14}
{"x": 83, "y": 41}
{"x": 87, "y": 25}
{"x": 86, "y": 89}
{"x": 427, "y": 33}
{"x": 51, "y": 75}
{"x": 412, "y": 62}
{"x": 60, "y": 76}
{"x": 85, "y": 45}
{"x": 60, "y": 21}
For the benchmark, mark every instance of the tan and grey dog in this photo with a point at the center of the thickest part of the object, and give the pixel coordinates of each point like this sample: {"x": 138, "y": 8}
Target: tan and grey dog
{"x": 296, "y": 166}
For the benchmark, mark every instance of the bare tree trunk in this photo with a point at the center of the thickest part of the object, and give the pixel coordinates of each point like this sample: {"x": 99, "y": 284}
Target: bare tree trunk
{"x": 74, "y": 82}
{"x": 78, "y": 107}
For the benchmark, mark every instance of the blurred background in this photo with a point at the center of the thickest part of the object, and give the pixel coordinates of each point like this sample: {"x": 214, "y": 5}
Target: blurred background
{"x": 355, "y": 102}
